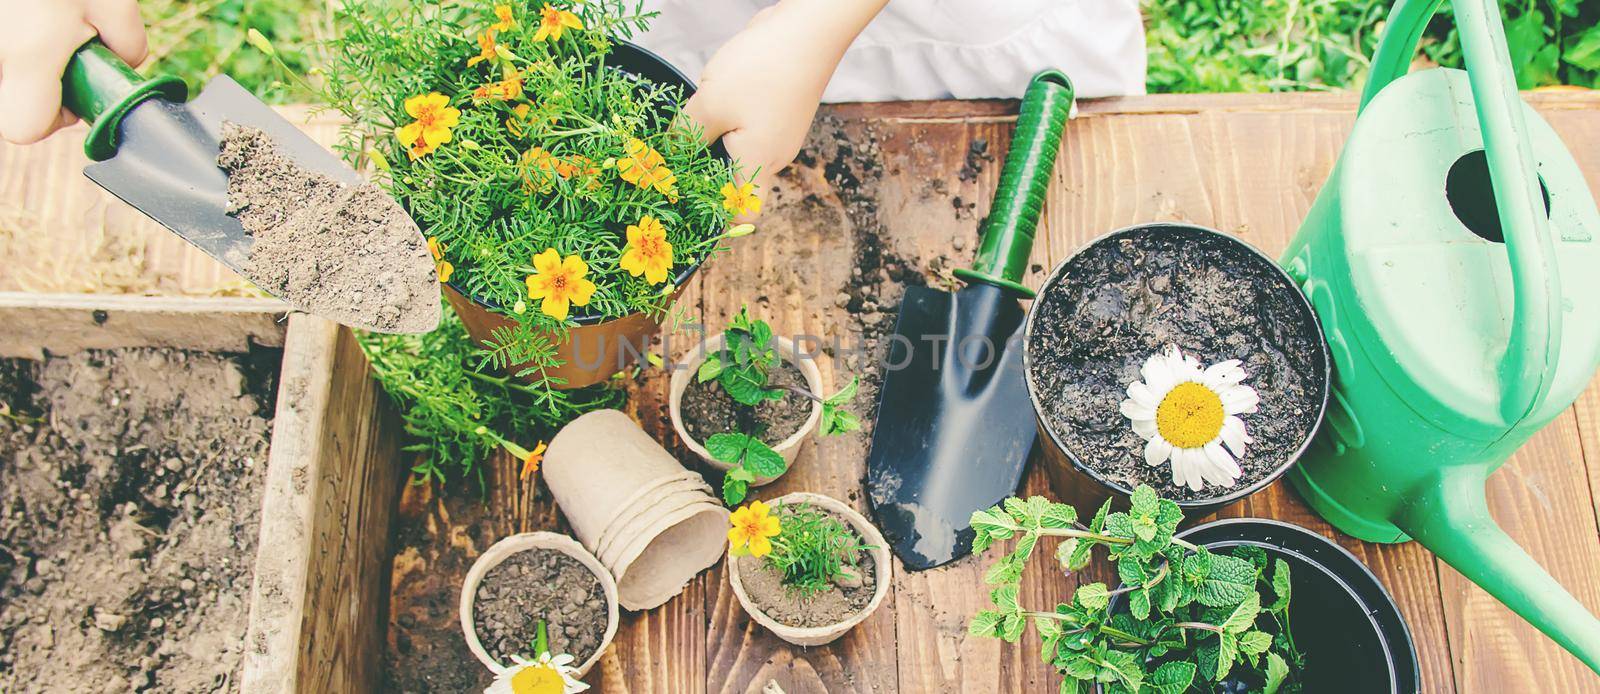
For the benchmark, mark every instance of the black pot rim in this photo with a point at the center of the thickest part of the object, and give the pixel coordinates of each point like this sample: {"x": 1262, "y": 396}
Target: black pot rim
{"x": 1209, "y": 503}
{"x": 629, "y": 56}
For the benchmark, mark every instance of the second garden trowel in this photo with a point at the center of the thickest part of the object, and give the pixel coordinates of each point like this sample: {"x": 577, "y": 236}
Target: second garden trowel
{"x": 158, "y": 154}
{"x": 954, "y": 424}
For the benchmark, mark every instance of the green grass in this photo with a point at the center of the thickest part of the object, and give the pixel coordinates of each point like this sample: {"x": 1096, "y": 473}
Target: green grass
{"x": 1194, "y": 45}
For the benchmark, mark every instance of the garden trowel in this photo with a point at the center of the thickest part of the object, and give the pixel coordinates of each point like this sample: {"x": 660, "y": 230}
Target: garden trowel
{"x": 159, "y": 154}
{"x": 954, "y": 424}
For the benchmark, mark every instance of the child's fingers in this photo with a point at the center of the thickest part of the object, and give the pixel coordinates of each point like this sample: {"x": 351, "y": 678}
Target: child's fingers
{"x": 30, "y": 100}
{"x": 703, "y": 110}
{"x": 121, "y": 28}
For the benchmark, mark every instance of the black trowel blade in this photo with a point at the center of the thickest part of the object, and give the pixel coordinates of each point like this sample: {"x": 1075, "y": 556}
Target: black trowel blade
{"x": 166, "y": 167}
{"x": 954, "y": 424}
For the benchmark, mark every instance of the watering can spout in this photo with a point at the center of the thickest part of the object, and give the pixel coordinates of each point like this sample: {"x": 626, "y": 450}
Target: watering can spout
{"x": 1451, "y": 518}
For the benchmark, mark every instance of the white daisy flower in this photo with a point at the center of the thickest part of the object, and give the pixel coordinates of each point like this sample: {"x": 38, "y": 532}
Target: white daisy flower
{"x": 546, "y": 675}
{"x": 1190, "y": 415}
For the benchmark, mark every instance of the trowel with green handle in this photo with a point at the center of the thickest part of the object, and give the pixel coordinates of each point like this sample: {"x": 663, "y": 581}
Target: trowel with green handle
{"x": 1453, "y": 261}
{"x": 158, "y": 154}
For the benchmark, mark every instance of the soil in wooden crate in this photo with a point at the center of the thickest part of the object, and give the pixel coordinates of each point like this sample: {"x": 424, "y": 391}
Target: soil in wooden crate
{"x": 1124, "y": 300}
{"x": 709, "y": 410}
{"x": 540, "y": 584}
{"x": 339, "y": 250}
{"x": 765, "y": 587}
{"x": 129, "y": 501}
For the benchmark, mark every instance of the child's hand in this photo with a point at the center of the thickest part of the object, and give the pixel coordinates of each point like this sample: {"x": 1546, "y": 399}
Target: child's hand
{"x": 760, "y": 90}
{"x": 37, "y": 38}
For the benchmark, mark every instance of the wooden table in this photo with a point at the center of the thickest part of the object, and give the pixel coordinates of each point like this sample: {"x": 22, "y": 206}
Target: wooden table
{"x": 900, "y": 185}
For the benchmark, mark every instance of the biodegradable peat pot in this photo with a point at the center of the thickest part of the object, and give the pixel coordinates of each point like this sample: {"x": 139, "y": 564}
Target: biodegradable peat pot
{"x": 505, "y": 549}
{"x": 600, "y": 467}
{"x": 816, "y": 636}
{"x": 595, "y": 349}
{"x": 1350, "y": 629}
{"x": 659, "y": 562}
{"x": 671, "y": 496}
{"x": 1128, "y": 294}
{"x": 789, "y": 447}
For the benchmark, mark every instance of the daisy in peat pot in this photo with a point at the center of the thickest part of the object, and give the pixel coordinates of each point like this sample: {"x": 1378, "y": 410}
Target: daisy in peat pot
{"x": 546, "y": 674}
{"x": 1188, "y": 416}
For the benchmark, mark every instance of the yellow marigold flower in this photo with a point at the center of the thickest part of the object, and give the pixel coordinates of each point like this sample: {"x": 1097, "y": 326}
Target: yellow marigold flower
{"x": 530, "y": 462}
{"x": 435, "y": 248}
{"x": 751, "y": 529}
{"x": 552, "y": 22}
{"x": 434, "y": 118}
{"x": 486, "y": 48}
{"x": 445, "y": 269}
{"x": 648, "y": 253}
{"x": 740, "y": 199}
{"x": 559, "y": 282}
{"x": 504, "y": 90}
{"x": 517, "y": 122}
{"x": 539, "y": 169}
{"x": 503, "y": 12}
{"x": 644, "y": 167}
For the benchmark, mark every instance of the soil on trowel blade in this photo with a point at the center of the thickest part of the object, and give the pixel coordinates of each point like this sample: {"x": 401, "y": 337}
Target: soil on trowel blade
{"x": 765, "y": 587}
{"x": 1124, "y": 299}
{"x": 347, "y": 252}
{"x": 708, "y": 409}
{"x": 129, "y": 500}
{"x": 533, "y": 585}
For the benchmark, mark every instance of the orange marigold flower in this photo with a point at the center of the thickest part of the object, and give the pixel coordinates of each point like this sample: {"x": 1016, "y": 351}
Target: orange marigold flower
{"x": 740, "y": 199}
{"x": 517, "y": 122}
{"x": 434, "y": 118}
{"x": 504, "y": 90}
{"x": 503, "y": 12}
{"x": 648, "y": 252}
{"x": 444, "y": 269}
{"x": 552, "y": 22}
{"x": 644, "y": 167}
{"x": 486, "y": 48}
{"x": 560, "y": 283}
{"x": 531, "y": 461}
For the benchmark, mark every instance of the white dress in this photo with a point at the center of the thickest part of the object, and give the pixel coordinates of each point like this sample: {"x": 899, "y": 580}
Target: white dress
{"x": 940, "y": 49}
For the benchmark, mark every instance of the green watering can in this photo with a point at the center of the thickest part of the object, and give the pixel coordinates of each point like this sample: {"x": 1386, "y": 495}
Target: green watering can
{"x": 1451, "y": 257}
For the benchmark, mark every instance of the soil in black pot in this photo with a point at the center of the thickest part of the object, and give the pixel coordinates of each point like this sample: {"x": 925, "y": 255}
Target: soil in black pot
{"x": 540, "y": 584}
{"x": 765, "y": 587}
{"x": 1128, "y": 297}
{"x": 709, "y": 410}
{"x": 130, "y": 485}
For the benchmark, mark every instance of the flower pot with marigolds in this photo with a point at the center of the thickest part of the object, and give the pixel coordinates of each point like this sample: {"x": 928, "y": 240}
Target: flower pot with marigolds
{"x": 565, "y": 200}
{"x": 807, "y": 567}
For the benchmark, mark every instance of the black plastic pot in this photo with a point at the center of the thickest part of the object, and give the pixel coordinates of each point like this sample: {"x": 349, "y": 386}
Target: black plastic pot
{"x": 1350, "y": 629}
{"x": 1070, "y": 477}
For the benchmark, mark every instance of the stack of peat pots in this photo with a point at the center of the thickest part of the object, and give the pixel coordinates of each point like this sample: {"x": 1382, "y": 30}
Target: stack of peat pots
{"x": 652, "y": 523}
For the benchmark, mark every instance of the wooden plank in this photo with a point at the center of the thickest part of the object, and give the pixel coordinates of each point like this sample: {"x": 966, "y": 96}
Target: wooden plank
{"x": 66, "y": 323}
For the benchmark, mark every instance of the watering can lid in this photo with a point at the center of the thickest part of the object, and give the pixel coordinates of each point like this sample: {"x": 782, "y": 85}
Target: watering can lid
{"x": 1432, "y": 292}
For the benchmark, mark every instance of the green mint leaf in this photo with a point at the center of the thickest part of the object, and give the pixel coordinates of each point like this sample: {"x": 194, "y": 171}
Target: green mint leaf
{"x": 1255, "y": 555}
{"x": 1005, "y": 597}
{"x": 1168, "y": 515}
{"x": 1277, "y": 672}
{"x": 985, "y": 623}
{"x": 1099, "y": 522}
{"x": 1280, "y": 585}
{"x": 1206, "y": 658}
{"x": 1012, "y": 627}
{"x": 1227, "y": 650}
{"x": 1064, "y": 552}
{"x": 1139, "y": 603}
{"x": 1025, "y": 547}
{"x": 733, "y": 491}
{"x": 1125, "y": 669}
{"x": 1131, "y": 571}
{"x": 1006, "y": 570}
{"x": 1049, "y": 629}
{"x": 746, "y": 385}
{"x": 741, "y": 474}
{"x": 845, "y": 394}
{"x": 1082, "y": 667}
{"x": 1171, "y": 678}
{"x": 1255, "y": 642}
{"x": 1119, "y": 525}
{"x": 1144, "y": 528}
{"x": 1144, "y": 501}
{"x": 728, "y": 448}
{"x": 1228, "y": 582}
{"x": 994, "y": 522}
{"x": 763, "y": 461}
{"x": 1081, "y": 553}
{"x": 1092, "y": 596}
{"x": 1244, "y": 616}
{"x": 1058, "y": 516}
{"x": 709, "y": 369}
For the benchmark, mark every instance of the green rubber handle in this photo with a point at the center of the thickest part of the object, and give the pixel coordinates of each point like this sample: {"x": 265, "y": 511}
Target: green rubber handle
{"x": 101, "y": 89}
{"x": 1014, "y": 216}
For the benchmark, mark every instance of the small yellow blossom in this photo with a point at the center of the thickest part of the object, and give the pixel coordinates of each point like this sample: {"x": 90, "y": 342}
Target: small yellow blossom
{"x": 740, "y": 200}
{"x": 644, "y": 167}
{"x": 486, "y": 48}
{"x": 648, "y": 252}
{"x": 539, "y": 170}
{"x": 751, "y": 529}
{"x": 530, "y": 462}
{"x": 517, "y": 122}
{"x": 434, "y": 118}
{"x": 552, "y": 22}
{"x": 445, "y": 269}
{"x": 506, "y": 23}
{"x": 560, "y": 283}
{"x": 505, "y": 90}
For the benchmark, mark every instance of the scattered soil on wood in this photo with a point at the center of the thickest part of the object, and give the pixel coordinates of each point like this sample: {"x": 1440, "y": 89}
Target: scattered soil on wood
{"x": 764, "y": 585}
{"x": 1123, "y": 299}
{"x": 346, "y": 252}
{"x": 540, "y": 584}
{"x": 129, "y": 502}
{"x": 709, "y": 410}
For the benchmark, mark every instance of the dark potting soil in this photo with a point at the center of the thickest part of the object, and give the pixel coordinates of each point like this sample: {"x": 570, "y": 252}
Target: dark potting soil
{"x": 764, "y": 585}
{"x": 533, "y": 585}
{"x": 347, "y": 252}
{"x": 1124, "y": 299}
{"x": 130, "y": 486}
{"x": 709, "y": 410}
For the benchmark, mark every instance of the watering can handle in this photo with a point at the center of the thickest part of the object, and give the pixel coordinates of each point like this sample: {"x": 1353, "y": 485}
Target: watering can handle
{"x": 1535, "y": 341}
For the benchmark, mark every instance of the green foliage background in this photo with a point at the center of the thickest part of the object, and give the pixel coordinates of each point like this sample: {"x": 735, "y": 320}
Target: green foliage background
{"x": 1194, "y": 45}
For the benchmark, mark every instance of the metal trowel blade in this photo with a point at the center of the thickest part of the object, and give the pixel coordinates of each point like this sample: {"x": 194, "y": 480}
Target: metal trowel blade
{"x": 166, "y": 167}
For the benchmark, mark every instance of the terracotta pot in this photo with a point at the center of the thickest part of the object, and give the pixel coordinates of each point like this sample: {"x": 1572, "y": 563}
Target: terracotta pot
{"x": 789, "y": 448}
{"x": 661, "y": 560}
{"x": 816, "y": 636}
{"x": 502, "y": 550}
{"x": 595, "y": 350}
{"x": 667, "y": 499}
{"x": 598, "y": 467}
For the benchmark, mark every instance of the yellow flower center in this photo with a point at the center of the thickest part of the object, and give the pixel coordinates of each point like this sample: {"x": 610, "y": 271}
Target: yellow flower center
{"x": 1190, "y": 416}
{"x": 538, "y": 680}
